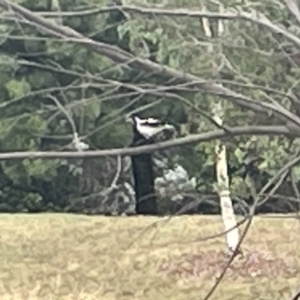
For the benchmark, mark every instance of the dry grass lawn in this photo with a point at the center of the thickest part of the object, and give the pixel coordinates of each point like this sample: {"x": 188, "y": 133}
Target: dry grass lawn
{"x": 52, "y": 256}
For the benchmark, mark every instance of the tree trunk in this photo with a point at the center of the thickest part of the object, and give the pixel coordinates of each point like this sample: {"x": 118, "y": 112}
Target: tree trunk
{"x": 228, "y": 216}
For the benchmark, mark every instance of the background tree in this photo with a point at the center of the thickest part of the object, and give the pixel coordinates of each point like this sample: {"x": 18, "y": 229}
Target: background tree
{"x": 99, "y": 84}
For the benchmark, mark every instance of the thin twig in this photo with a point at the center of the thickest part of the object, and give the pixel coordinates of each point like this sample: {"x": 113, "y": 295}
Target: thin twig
{"x": 117, "y": 175}
{"x": 76, "y": 143}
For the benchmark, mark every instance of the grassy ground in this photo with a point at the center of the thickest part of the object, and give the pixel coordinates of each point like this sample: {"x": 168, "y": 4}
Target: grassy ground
{"x": 76, "y": 257}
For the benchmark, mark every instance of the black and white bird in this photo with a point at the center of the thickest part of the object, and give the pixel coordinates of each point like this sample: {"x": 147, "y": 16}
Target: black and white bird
{"x": 145, "y": 132}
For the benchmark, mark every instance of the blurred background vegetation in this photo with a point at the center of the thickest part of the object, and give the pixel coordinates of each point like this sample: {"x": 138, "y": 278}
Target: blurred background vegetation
{"x": 38, "y": 72}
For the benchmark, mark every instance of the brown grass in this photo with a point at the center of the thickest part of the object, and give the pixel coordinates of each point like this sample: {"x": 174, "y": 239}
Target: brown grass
{"x": 76, "y": 257}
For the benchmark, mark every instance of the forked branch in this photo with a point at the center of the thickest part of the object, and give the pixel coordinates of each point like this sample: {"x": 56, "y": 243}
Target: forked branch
{"x": 118, "y": 55}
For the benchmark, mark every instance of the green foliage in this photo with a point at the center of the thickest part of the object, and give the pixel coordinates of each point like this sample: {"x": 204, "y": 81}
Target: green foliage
{"x": 17, "y": 88}
{"x": 41, "y": 168}
{"x": 40, "y": 79}
{"x": 247, "y": 58}
{"x": 93, "y": 110}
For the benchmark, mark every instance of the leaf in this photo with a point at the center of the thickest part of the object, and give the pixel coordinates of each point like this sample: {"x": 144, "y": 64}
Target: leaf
{"x": 239, "y": 154}
{"x": 159, "y": 31}
{"x": 123, "y": 29}
{"x": 16, "y": 172}
{"x": 94, "y": 108}
{"x": 18, "y": 88}
{"x": 41, "y": 168}
{"x": 296, "y": 174}
{"x": 263, "y": 166}
{"x": 41, "y": 79}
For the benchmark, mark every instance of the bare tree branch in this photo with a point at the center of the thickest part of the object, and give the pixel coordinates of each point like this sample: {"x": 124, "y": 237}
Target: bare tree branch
{"x": 230, "y": 14}
{"x": 293, "y": 8}
{"x": 296, "y": 296}
{"x": 203, "y": 137}
{"x": 119, "y": 169}
{"x": 120, "y": 56}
